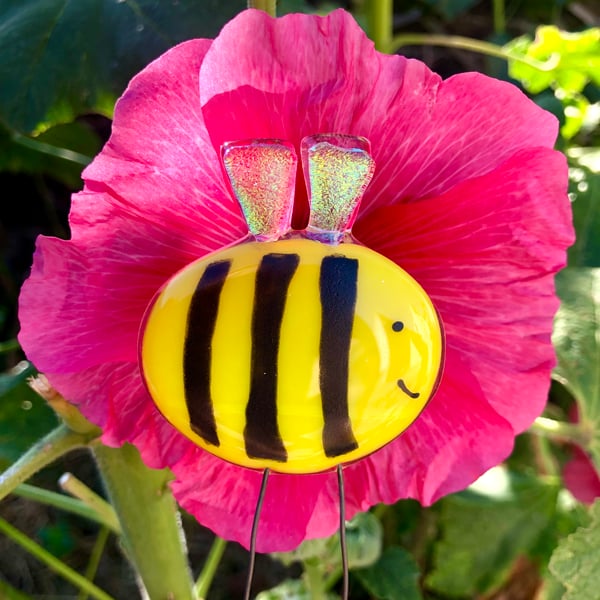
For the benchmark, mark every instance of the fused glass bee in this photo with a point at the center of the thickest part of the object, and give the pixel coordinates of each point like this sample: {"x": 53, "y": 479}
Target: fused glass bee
{"x": 293, "y": 351}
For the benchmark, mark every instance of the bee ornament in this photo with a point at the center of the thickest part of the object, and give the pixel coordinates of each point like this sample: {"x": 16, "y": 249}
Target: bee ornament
{"x": 293, "y": 351}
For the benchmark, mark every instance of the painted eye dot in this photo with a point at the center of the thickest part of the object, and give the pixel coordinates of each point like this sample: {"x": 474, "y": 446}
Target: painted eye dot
{"x": 397, "y": 325}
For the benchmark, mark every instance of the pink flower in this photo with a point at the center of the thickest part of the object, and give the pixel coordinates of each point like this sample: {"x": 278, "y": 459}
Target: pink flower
{"x": 468, "y": 197}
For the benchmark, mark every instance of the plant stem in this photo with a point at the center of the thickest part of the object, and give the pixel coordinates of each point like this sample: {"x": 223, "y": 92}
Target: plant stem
{"x": 57, "y": 443}
{"x": 499, "y": 17}
{"x": 7, "y": 592}
{"x": 560, "y": 430}
{"x": 38, "y": 146}
{"x": 152, "y": 535}
{"x": 62, "y": 502}
{"x": 210, "y": 567}
{"x": 94, "y": 562}
{"x": 9, "y": 346}
{"x": 269, "y": 6}
{"x": 314, "y": 580}
{"x": 465, "y": 43}
{"x": 381, "y": 28}
{"x": 77, "y": 488}
{"x": 52, "y": 562}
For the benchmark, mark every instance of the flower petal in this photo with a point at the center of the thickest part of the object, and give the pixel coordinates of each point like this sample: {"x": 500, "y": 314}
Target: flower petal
{"x": 223, "y": 497}
{"x": 159, "y": 162}
{"x": 91, "y": 293}
{"x": 485, "y": 252}
{"x": 455, "y": 440}
{"x": 427, "y": 135}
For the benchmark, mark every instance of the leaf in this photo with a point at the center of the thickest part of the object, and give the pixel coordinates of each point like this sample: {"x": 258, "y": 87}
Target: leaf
{"x": 577, "y": 341}
{"x": 576, "y": 561}
{"x": 24, "y": 416}
{"x": 572, "y": 59}
{"x": 486, "y": 528}
{"x": 585, "y": 193}
{"x": 61, "y": 59}
{"x": 46, "y": 153}
{"x": 395, "y": 576}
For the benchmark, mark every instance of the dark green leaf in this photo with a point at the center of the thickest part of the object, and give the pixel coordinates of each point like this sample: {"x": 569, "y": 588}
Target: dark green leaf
{"x": 61, "y": 59}
{"x": 450, "y": 9}
{"x": 577, "y": 342}
{"x": 24, "y": 416}
{"x": 485, "y": 529}
{"x": 576, "y": 561}
{"x": 395, "y": 576}
{"x": 585, "y": 192}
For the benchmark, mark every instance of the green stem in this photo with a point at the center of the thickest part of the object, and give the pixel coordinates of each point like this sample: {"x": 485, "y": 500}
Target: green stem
{"x": 464, "y": 43}
{"x": 52, "y": 562}
{"x": 499, "y": 17}
{"x": 210, "y": 567}
{"x": 560, "y": 430}
{"x": 77, "y": 488}
{"x": 152, "y": 535}
{"x": 67, "y": 504}
{"x": 7, "y": 592}
{"x": 97, "y": 551}
{"x": 269, "y": 6}
{"x": 37, "y": 146}
{"x": 314, "y": 580}
{"x": 48, "y": 449}
{"x": 9, "y": 346}
{"x": 381, "y": 28}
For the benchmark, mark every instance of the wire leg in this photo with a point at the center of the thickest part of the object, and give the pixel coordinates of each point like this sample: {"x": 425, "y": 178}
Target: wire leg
{"x": 343, "y": 545}
{"x": 259, "y": 503}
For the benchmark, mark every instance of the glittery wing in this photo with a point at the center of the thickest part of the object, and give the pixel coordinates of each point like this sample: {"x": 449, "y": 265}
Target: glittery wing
{"x": 262, "y": 174}
{"x": 337, "y": 169}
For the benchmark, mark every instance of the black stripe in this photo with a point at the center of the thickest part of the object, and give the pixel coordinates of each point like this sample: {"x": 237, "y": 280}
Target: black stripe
{"x": 197, "y": 350}
{"x": 338, "y": 283}
{"x": 261, "y": 434}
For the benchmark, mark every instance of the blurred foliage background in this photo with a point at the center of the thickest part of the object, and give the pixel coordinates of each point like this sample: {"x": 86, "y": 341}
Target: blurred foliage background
{"x": 63, "y": 64}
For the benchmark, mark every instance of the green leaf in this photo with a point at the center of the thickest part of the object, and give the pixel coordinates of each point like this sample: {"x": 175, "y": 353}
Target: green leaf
{"x": 24, "y": 416}
{"x": 577, "y": 341}
{"x": 584, "y": 191}
{"x": 576, "y": 561}
{"x": 572, "y": 59}
{"x": 61, "y": 59}
{"x": 291, "y": 589}
{"x": 451, "y": 9}
{"x": 395, "y": 576}
{"x": 486, "y": 528}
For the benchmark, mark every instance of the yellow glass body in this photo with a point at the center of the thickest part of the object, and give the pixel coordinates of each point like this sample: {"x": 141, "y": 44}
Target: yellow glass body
{"x": 380, "y": 355}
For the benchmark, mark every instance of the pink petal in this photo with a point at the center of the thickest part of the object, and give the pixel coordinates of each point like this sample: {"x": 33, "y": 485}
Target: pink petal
{"x": 486, "y": 252}
{"x": 427, "y": 135}
{"x": 223, "y": 497}
{"x": 456, "y": 439}
{"x": 91, "y": 293}
{"x": 159, "y": 163}
{"x": 581, "y": 477}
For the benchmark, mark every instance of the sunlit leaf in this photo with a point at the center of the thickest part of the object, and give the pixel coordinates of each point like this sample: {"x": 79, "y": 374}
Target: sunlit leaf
{"x": 573, "y": 59}
{"x": 485, "y": 529}
{"x": 61, "y": 59}
{"x": 576, "y": 561}
{"x": 577, "y": 342}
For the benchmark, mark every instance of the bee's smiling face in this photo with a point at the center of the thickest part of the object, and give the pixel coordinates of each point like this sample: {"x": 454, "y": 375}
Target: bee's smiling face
{"x": 293, "y": 351}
